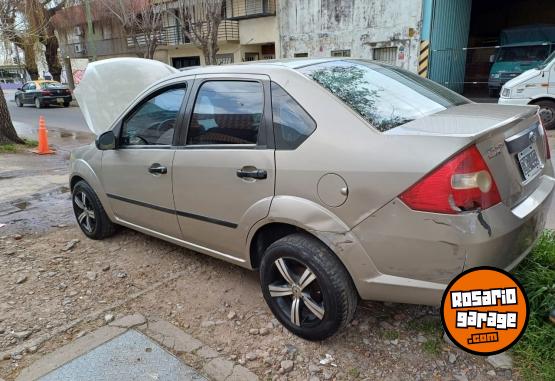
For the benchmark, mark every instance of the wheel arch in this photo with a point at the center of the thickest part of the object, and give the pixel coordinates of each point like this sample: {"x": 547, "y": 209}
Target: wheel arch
{"x": 82, "y": 171}
{"x": 290, "y": 215}
{"x": 543, "y": 97}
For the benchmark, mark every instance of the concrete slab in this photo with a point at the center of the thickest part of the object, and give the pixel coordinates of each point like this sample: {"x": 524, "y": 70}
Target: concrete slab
{"x": 130, "y": 356}
{"x": 69, "y": 352}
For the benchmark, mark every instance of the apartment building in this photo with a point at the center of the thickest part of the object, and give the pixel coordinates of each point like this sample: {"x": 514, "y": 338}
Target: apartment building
{"x": 248, "y": 32}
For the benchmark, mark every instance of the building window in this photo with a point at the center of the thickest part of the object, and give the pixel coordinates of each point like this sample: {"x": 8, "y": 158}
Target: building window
{"x": 386, "y": 55}
{"x": 224, "y": 59}
{"x": 341, "y": 53}
{"x": 251, "y": 57}
{"x": 299, "y": 55}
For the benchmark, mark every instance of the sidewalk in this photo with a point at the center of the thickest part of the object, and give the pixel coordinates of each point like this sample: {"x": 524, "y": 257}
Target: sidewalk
{"x": 133, "y": 348}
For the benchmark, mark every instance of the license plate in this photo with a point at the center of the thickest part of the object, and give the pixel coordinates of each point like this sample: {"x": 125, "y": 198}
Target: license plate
{"x": 529, "y": 162}
{"x": 60, "y": 100}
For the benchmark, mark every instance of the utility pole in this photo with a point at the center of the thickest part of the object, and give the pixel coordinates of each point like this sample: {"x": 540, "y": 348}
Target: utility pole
{"x": 90, "y": 38}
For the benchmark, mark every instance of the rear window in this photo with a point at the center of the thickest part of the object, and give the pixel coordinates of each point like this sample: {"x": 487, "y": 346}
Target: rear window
{"x": 52, "y": 85}
{"x": 383, "y": 95}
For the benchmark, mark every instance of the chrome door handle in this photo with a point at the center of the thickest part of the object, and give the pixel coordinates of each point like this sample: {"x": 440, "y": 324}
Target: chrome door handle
{"x": 259, "y": 174}
{"x": 158, "y": 169}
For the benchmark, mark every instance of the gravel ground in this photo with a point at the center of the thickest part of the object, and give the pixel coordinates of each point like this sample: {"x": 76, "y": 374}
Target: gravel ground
{"x": 59, "y": 284}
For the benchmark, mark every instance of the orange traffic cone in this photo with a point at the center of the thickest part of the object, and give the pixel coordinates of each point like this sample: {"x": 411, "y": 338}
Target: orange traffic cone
{"x": 43, "y": 148}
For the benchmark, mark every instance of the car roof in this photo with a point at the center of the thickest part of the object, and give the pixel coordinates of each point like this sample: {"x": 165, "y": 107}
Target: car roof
{"x": 260, "y": 67}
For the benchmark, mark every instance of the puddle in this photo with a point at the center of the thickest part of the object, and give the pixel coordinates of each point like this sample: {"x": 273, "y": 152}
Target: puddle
{"x": 58, "y": 136}
{"x": 38, "y": 213}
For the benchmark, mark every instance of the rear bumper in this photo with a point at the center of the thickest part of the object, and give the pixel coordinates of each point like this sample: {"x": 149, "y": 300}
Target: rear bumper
{"x": 417, "y": 254}
{"x": 514, "y": 101}
{"x": 55, "y": 99}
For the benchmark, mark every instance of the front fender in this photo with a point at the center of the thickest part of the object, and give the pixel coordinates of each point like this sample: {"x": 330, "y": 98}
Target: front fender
{"x": 83, "y": 169}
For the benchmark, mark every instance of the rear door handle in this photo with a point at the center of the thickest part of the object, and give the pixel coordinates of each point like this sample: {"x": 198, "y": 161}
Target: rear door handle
{"x": 157, "y": 168}
{"x": 259, "y": 174}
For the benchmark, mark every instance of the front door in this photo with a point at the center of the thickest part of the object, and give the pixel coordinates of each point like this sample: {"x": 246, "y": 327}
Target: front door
{"x": 224, "y": 171}
{"x": 137, "y": 176}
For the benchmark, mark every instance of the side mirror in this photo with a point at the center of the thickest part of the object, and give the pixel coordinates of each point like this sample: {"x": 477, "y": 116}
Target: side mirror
{"x": 492, "y": 58}
{"x": 106, "y": 141}
{"x": 19, "y": 88}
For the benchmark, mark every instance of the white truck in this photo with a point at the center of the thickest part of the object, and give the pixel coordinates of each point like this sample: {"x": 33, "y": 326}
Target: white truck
{"x": 534, "y": 87}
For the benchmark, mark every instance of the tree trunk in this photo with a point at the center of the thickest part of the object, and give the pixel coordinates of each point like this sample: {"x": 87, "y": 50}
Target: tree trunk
{"x": 28, "y": 48}
{"x": 52, "y": 58}
{"x": 7, "y": 130}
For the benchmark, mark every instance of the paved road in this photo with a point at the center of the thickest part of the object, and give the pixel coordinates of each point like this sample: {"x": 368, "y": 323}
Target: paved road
{"x": 69, "y": 118}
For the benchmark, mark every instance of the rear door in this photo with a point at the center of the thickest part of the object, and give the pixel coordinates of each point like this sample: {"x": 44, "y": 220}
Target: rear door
{"x": 137, "y": 176}
{"x": 224, "y": 171}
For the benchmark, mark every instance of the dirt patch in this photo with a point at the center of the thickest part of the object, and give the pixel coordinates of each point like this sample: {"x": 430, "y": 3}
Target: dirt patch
{"x": 51, "y": 280}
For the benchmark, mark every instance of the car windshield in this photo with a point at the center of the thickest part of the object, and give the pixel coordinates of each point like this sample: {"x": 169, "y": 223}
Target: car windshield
{"x": 547, "y": 60}
{"x": 523, "y": 53}
{"x": 52, "y": 85}
{"x": 383, "y": 95}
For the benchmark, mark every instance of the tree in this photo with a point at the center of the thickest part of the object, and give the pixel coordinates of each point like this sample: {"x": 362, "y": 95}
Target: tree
{"x": 7, "y": 28}
{"x": 199, "y": 21}
{"x": 141, "y": 21}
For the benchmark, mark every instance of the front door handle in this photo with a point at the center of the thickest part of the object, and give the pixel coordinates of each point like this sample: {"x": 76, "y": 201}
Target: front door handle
{"x": 157, "y": 168}
{"x": 259, "y": 174}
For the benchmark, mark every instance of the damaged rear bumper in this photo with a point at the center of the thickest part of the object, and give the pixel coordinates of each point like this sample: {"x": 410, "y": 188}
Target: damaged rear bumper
{"x": 414, "y": 255}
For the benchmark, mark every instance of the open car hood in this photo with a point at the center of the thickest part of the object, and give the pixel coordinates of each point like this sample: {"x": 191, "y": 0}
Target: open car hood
{"x": 109, "y": 86}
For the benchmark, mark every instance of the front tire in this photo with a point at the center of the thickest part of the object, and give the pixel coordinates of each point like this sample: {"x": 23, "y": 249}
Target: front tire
{"x": 18, "y": 102}
{"x": 38, "y": 103}
{"x": 90, "y": 214}
{"x": 306, "y": 286}
{"x": 547, "y": 113}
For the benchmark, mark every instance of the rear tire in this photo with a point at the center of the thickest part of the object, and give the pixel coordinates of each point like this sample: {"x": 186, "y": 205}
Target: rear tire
{"x": 319, "y": 298}
{"x": 38, "y": 103}
{"x": 547, "y": 113}
{"x": 90, "y": 214}
{"x": 66, "y": 104}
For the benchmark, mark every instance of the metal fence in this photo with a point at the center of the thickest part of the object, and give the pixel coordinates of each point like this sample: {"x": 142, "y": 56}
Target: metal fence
{"x": 240, "y": 9}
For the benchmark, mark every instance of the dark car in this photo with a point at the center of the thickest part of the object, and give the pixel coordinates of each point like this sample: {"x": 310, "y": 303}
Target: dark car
{"x": 43, "y": 93}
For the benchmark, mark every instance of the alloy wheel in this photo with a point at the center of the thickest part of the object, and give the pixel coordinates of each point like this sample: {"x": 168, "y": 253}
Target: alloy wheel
{"x": 296, "y": 291}
{"x": 84, "y": 211}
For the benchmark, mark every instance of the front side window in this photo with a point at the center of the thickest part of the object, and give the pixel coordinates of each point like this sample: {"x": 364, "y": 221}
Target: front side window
{"x": 292, "y": 125}
{"x": 385, "y": 96}
{"x": 154, "y": 122}
{"x": 227, "y": 112}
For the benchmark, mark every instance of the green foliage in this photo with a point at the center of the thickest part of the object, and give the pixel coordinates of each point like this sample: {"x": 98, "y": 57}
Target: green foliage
{"x": 535, "y": 352}
{"x": 8, "y": 148}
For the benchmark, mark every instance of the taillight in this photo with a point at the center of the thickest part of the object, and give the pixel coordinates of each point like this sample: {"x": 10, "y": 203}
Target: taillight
{"x": 463, "y": 183}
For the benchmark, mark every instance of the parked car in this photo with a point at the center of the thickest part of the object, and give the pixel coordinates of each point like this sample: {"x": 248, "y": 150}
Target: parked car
{"x": 534, "y": 87}
{"x": 43, "y": 93}
{"x": 337, "y": 179}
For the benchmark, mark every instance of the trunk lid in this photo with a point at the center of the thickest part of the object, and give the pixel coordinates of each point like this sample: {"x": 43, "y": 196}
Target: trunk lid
{"x": 511, "y": 140}
{"x": 109, "y": 86}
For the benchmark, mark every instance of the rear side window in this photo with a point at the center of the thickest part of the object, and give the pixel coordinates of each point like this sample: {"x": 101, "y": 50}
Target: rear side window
{"x": 292, "y": 125}
{"x": 383, "y": 95}
{"x": 227, "y": 112}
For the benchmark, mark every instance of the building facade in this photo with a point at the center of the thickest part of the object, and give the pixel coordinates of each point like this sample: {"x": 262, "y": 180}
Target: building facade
{"x": 384, "y": 30}
{"x": 449, "y": 41}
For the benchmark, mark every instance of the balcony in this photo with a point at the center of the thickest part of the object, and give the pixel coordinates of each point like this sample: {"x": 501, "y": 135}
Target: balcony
{"x": 108, "y": 47}
{"x": 173, "y": 35}
{"x": 246, "y": 9}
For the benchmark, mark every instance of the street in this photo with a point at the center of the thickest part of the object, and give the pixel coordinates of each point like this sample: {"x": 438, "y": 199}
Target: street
{"x": 59, "y": 286}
